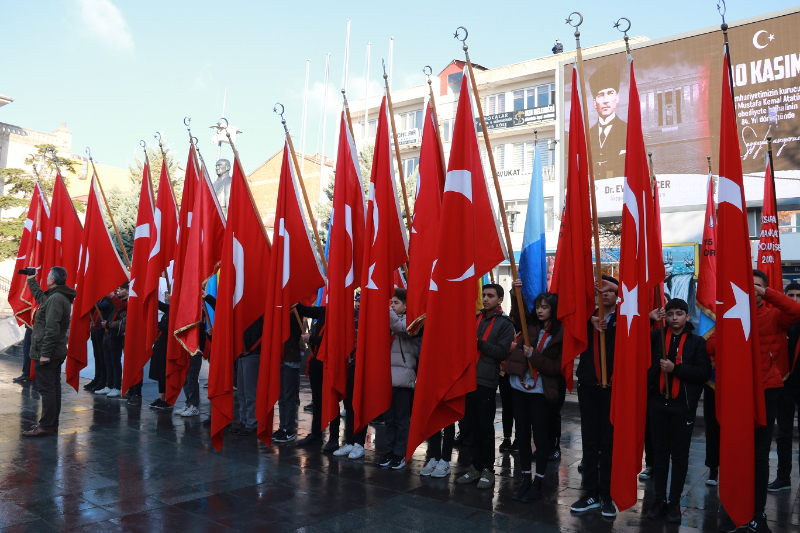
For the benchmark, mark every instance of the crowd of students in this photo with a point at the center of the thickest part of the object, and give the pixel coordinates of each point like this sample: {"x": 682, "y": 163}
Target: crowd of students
{"x": 532, "y": 391}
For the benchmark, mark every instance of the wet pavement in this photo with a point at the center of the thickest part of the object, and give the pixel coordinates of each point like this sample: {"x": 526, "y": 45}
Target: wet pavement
{"x": 114, "y": 467}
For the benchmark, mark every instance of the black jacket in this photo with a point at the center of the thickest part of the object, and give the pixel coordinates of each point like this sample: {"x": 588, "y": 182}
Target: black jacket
{"x": 793, "y": 379}
{"x": 291, "y": 348}
{"x": 252, "y": 337}
{"x": 586, "y": 372}
{"x": 317, "y": 329}
{"x": 494, "y": 349}
{"x": 693, "y": 372}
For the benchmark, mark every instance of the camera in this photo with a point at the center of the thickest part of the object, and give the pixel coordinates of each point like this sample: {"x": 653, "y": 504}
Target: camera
{"x": 27, "y": 271}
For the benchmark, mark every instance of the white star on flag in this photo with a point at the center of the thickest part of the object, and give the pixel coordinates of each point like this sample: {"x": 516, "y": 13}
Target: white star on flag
{"x": 630, "y": 304}
{"x": 741, "y": 310}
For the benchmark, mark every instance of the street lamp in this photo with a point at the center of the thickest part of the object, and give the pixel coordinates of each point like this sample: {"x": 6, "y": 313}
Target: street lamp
{"x": 512, "y": 218}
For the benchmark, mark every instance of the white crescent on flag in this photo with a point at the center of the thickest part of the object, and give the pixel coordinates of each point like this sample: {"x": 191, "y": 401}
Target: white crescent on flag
{"x": 286, "y": 252}
{"x": 157, "y": 227}
{"x": 238, "y": 266}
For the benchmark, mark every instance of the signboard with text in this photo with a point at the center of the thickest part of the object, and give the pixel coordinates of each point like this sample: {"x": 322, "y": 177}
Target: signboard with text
{"x": 521, "y": 117}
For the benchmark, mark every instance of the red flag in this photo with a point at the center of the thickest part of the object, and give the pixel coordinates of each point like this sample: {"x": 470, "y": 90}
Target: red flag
{"x": 655, "y": 250}
{"x": 739, "y": 385}
{"x": 345, "y": 255}
{"x": 468, "y": 247}
{"x": 384, "y": 253}
{"x": 294, "y": 272}
{"x": 641, "y": 270}
{"x": 203, "y": 254}
{"x": 707, "y": 273}
{"x": 177, "y": 357}
{"x": 573, "y": 275}
{"x": 62, "y": 241}
{"x": 425, "y": 224}
{"x": 100, "y": 271}
{"x": 240, "y": 297}
{"x": 769, "y": 245}
{"x": 29, "y": 255}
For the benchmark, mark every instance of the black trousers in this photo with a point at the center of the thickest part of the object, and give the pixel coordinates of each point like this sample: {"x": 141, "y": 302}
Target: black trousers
{"x": 315, "y": 368}
{"x": 479, "y": 410}
{"x": 26, "y": 352}
{"x": 788, "y": 405}
{"x": 398, "y": 420}
{"x": 507, "y": 405}
{"x": 597, "y": 436}
{"x": 99, "y": 357}
{"x": 763, "y": 441}
{"x": 671, "y": 425}
{"x": 349, "y": 419}
{"x": 532, "y": 413}
{"x": 648, "y": 441}
{"x": 440, "y": 444}
{"x": 112, "y": 350}
{"x": 712, "y": 427}
{"x": 48, "y": 383}
{"x": 554, "y": 415}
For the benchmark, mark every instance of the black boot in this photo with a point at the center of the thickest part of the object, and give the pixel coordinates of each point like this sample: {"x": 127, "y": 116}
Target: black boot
{"x": 523, "y": 489}
{"x": 535, "y": 492}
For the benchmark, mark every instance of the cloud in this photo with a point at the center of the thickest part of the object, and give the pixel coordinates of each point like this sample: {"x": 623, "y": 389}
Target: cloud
{"x": 104, "y": 20}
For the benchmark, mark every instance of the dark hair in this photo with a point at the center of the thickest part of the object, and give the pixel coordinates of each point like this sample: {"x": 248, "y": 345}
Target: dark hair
{"x": 677, "y": 303}
{"x": 125, "y": 285}
{"x": 400, "y": 294}
{"x": 761, "y": 274}
{"x": 59, "y": 275}
{"x": 792, "y": 287}
{"x": 611, "y": 279}
{"x": 498, "y": 289}
{"x": 551, "y": 299}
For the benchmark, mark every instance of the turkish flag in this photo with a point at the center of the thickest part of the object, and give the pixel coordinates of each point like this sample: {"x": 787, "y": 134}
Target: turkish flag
{"x": 425, "y": 224}
{"x": 240, "y": 297}
{"x": 384, "y": 253}
{"x": 345, "y": 257}
{"x": 573, "y": 275}
{"x": 29, "y": 255}
{"x": 641, "y": 270}
{"x": 62, "y": 240}
{"x": 294, "y": 272}
{"x": 739, "y": 384}
{"x": 769, "y": 245}
{"x": 707, "y": 273}
{"x": 468, "y": 246}
{"x": 177, "y": 357}
{"x": 100, "y": 271}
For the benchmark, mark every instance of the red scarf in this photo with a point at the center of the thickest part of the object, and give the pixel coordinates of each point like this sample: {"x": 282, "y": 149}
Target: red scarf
{"x": 488, "y": 330}
{"x": 539, "y": 348}
{"x": 676, "y": 383}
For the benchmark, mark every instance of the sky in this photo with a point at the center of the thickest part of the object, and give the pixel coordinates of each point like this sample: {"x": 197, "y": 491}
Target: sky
{"x": 118, "y": 71}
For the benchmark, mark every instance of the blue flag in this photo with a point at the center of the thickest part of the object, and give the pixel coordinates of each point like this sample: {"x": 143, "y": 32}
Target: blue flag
{"x": 533, "y": 260}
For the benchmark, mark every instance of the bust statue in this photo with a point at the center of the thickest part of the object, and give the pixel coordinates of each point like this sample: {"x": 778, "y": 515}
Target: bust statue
{"x": 222, "y": 185}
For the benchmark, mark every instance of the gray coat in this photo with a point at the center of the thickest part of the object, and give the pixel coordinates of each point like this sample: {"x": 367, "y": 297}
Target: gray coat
{"x": 405, "y": 354}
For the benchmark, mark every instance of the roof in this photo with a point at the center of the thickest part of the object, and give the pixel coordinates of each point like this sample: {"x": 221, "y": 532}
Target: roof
{"x": 5, "y": 100}
{"x": 461, "y": 64}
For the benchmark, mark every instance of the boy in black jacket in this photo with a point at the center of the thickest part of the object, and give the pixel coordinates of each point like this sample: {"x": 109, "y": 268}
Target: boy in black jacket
{"x": 680, "y": 376}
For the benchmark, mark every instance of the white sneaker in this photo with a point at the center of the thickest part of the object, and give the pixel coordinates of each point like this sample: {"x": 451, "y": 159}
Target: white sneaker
{"x": 356, "y": 453}
{"x": 344, "y": 450}
{"x": 190, "y": 410}
{"x": 442, "y": 469}
{"x": 179, "y": 412}
{"x": 428, "y": 469}
{"x": 103, "y": 391}
{"x": 114, "y": 393}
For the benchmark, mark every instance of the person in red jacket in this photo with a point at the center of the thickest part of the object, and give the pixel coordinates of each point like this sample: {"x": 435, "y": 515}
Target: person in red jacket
{"x": 773, "y": 323}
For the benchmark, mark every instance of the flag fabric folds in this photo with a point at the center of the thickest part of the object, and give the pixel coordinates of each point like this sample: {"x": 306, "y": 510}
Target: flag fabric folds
{"x": 739, "y": 382}
{"x": 468, "y": 246}
{"x": 425, "y": 223}
{"x": 345, "y": 256}
{"x": 100, "y": 271}
{"x": 294, "y": 272}
{"x": 62, "y": 240}
{"x": 385, "y": 250}
{"x": 640, "y": 273}
{"x": 573, "y": 276}
{"x": 29, "y": 255}
{"x": 769, "y": 244}
{"x": 240, "y": 297}
{"x": 533, "y": 259}
{"x": 707, "y": 272}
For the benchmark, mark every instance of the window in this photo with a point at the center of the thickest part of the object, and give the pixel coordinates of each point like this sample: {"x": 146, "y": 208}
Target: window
{"x": 515, "y": 213}
{"x": 454, "y": 82}
{"x": 499, "y": 153}
{"x": 754, "y": 222}
{"x": 548, "y": 214}
{"x": 410, "y": 121}
{"x": 494, "y": 104}
{"x": 523, "y": 154}
{"x": 372, "y": 129}
{"x": 447, "y": 129}
{"x": 409, "y": 166}
{"x": 541, "y": 96}
{"x": 545, "y": 95}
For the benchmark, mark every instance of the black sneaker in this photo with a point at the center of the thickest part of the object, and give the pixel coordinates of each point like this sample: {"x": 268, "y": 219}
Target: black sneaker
{"x": 309, "y": 439}
{"x": 585, "y": 504}
{"x": 24, "y": 378}
{"x": 647, "y": 473}
{"x": 759, "y": 524}
{"x": 308, "y": 408}
{"x": 331, "y": 446}
{"x": 277, "y": 434}
{"x": 387, "y": 459}
{"x": 580, "y": 466}
{"x": 285, "y": 436}
{"x": 607, "y": 508}
{"x": 673, "y": 513}
{"x": 135, "y": 400}
{"x": 713, "y": 477}
{"x": 658, "y": 510}
{"x": 506, "y": 445}
{"x": 514, "y": 447}
{"x": 161, "y": 405}
{"x": 88, "y": 386}
{"x": 398, "y": 463}
{"x": 726, "y": 525}
{"x": 235, "y": 428}
{"x": 555, "y": 455}
{"x": 250, "y": 431}
{"x": 779, "y": 484}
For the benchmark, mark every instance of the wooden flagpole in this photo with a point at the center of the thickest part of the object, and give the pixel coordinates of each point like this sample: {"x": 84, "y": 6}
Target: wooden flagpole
{"x": 397, "y": 149}
{"x": 435, "y": 116}
{"x": 152, "y": 193}
{"x": 110, "y": 215}
{"x": 659, "y": 301}
{"x": 595, "y": 224}
{"x": 511, "y": 260}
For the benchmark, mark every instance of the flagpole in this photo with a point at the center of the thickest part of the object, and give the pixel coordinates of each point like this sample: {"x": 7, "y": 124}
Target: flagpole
{"x": 435, "y": 116}
{"x": 396, "y": 147}
{"x": 247, "y": 187}
{"x": 595, "y": 224}
{"x": 659, "y": 301}
{"x": 152, "y": 193}
{"x": 302, "y": 186}
{"x": 771, "y": 171}
{"x": 110, "y": 215}
{"x": 512, "y": 262}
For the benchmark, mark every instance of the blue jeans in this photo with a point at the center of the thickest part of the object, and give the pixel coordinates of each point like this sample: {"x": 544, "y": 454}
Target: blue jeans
{"x": 246, "y": 385}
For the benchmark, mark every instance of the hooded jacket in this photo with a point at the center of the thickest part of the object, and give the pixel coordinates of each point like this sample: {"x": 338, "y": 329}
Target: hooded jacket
{"x": 49, "y": 337}
{"x": 405, "y": 354}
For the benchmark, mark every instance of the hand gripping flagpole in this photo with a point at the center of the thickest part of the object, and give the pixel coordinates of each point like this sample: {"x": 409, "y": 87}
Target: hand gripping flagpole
{"x": 110, "y": 215}
{"x": 396, "y": 146}
{"x": 511, "y": 260}
{"x": 592, "y": 195}
{"x": 659, "y": 302}
{"x": 302, "y": 185}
